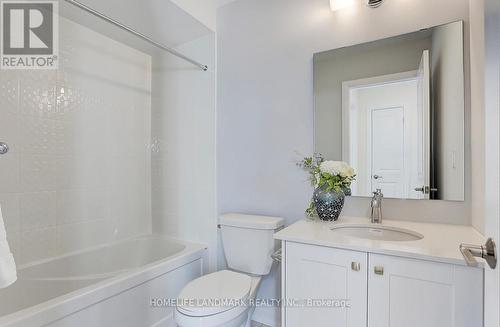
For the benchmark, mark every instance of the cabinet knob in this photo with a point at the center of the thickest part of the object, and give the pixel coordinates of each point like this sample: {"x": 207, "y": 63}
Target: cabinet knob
{"x": 4, "y": 148}
{"x": 378, "y": 270}
{"x": 356, "y": 266}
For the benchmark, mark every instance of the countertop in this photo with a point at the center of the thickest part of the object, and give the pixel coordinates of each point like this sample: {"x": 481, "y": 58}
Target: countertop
{"x": 440, "y": 243}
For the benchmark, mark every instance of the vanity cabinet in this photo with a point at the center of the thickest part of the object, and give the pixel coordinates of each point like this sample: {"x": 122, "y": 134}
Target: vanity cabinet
{"x": 382, "y": 290}
{"x": 320, "y": 274}
{"x": 415, "y": 293}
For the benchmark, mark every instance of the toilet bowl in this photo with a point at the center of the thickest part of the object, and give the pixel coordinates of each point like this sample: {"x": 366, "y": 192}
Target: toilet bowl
{"x": 227, "y": 297}
{"x": 224, "y": 298}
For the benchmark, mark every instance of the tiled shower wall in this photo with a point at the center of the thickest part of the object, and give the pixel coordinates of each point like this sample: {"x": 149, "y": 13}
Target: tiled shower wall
{"x": 78, "y": 172}
{"x": 183, "y": 153}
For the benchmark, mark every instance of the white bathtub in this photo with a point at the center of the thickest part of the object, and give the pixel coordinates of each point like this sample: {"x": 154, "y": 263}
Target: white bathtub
{"x": 108, "y": 286}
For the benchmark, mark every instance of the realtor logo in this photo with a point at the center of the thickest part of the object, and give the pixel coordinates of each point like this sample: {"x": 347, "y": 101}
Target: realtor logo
{"x": 29, "y": 38}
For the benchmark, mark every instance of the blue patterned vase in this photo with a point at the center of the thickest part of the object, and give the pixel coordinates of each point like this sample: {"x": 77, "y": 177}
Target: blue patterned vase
{"x": 328, "y": 204}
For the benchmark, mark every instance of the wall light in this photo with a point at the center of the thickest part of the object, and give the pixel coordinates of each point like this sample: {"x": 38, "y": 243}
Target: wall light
{"x": 341, "y": 4}
{"x": 374, "y": 3}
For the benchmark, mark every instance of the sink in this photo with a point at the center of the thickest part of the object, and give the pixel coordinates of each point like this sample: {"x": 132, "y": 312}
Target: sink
{"x": 379, "y": 233}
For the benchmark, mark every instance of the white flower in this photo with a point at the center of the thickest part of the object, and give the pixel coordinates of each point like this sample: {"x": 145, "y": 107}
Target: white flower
{"x": 337, "y": 168}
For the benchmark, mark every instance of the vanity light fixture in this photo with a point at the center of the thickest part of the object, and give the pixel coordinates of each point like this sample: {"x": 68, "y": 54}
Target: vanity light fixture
{"x": 374, "y": 3}
{"x": 341, "y": 4}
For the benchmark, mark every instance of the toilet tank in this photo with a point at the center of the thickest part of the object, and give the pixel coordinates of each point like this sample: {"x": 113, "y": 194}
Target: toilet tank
{"x": 248, "y": 241}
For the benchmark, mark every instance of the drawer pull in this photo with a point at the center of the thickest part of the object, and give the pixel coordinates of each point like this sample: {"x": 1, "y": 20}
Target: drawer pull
{"x": 379, "y": 270}
{"x": 356, "y": 266}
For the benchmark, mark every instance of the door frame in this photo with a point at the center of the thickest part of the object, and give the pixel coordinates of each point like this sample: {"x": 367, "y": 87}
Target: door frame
{"x": 346, "y": 100}
{"x": 347, "y": 86}
{"x": 492, "y": 158}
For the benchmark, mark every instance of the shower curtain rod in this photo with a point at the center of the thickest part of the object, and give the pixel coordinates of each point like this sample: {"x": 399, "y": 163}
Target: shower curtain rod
{"x": 134, "y": 32}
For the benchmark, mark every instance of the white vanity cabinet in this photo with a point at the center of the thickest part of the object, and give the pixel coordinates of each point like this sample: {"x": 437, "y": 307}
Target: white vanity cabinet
{"x": 416, "y": 293}
{"x": 320, "y": 273}
{"x": 382, "y": 290}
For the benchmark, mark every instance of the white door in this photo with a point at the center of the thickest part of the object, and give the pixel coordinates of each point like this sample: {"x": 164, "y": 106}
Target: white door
{"x": 320, "y": 273}
{"x": 423, "y": 139}
{"x": 382, "y": 134}
{"x": 387, "y": 151}
{"x": 415, "y": 293}
{"x": 492, "y": 146}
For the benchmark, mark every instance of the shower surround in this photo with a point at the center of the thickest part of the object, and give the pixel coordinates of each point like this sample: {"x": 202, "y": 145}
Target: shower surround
{"x": 78, "y": 171}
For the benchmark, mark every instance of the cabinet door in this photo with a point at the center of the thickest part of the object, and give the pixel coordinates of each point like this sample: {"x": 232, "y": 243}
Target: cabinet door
{"x": 417, "y": 293}
{"x": 326, "y": 276}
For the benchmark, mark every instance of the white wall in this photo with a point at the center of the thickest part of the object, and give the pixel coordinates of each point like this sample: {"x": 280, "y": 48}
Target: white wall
{"x": 183, "y": 136}
{"x": 78, "y": 173}
{"x": 204, "y": 11}
{"x": 492, "y": 156}
{"x": 477, "y": 117}
{"x": 265, "y": 101}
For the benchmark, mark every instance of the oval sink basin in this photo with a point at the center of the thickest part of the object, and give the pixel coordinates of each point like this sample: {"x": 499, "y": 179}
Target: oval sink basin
{"x": 379, "y": 233}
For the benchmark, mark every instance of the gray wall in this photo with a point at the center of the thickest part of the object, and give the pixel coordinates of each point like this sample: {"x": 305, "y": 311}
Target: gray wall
{"x": 447, "y": 84}
{"x": 265, "y": 102}
{"x": 333, "y": 67}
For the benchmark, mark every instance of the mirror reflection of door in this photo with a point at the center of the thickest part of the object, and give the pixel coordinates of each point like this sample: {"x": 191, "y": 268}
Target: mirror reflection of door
{"x": 386, "y": 148}
{"x": 386, "y": 139}
{"x": 362, "y": 117}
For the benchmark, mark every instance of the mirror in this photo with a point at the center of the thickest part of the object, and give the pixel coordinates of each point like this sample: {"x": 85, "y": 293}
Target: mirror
{"x": 394, "y": 110}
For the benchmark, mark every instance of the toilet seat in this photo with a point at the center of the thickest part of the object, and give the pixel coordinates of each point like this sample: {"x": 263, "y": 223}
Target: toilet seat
{"x": 214, "y": 294}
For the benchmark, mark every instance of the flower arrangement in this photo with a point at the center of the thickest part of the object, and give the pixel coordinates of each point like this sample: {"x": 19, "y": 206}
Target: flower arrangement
{"x": 330, "y": 176}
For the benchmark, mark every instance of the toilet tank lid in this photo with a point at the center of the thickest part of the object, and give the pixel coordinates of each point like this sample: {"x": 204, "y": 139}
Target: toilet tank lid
{"x": 250, "y": 221}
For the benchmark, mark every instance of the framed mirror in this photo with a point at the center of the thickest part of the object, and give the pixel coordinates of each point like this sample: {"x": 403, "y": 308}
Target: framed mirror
{"x": 394, "y": 109}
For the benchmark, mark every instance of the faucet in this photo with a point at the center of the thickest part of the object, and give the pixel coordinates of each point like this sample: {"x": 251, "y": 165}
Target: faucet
{"x": 376, "y": 205}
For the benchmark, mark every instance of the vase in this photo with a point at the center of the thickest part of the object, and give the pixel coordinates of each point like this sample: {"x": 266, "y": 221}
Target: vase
{"x": 328, "y": 204}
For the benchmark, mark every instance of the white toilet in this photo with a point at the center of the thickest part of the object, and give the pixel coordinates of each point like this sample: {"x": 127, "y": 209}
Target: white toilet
{"x": 224, "y": 298}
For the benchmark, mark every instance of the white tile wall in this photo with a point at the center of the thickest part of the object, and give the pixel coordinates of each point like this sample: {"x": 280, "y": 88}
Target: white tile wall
{"x": 78, "y": 172}
{"x": 183, "y": 146}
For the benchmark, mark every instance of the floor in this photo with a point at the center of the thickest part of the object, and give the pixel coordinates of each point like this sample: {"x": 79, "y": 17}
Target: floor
{"x": 258, "y": 324}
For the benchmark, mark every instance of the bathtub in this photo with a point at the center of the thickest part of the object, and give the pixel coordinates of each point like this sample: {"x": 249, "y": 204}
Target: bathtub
{"x": 111, "y": 285}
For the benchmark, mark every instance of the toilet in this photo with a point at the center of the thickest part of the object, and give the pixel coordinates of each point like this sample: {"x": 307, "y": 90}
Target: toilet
{"x": 226, "y": 298}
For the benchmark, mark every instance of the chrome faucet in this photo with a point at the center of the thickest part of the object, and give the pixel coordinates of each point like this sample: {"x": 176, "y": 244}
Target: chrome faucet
{"x": 376, "y": 205}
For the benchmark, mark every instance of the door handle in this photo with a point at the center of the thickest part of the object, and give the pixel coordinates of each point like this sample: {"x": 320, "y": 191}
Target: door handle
{"x": 425, "y": 189}
{"x": 488, "y": 252}
{"x": 377, "y": 176}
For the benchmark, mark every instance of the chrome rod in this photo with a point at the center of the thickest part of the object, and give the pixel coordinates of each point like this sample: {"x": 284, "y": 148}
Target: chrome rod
{"x": 134, "y": 32}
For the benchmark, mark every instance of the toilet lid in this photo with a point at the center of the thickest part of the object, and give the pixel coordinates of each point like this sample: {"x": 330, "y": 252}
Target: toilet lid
{"x": 214, "y": 293}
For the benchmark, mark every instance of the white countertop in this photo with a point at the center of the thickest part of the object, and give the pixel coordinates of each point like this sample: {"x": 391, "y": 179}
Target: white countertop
{"x": 440, "y": 243}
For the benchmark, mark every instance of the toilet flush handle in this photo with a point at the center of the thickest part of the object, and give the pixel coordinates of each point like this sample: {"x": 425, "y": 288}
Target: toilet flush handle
{"x": 277, "y": 256}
